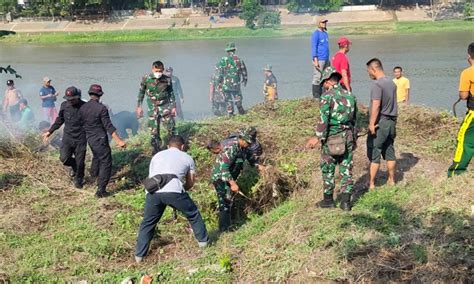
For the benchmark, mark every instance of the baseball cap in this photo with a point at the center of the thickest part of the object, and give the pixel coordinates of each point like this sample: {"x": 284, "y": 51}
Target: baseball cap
{"x": 10, "y": 83}
{"x": 72, "y": 93}
{"x": 343, "y": 41}
{"x": 46, "y": 79}
{"x": 95, "y": 89}
{"x": 321, "y": 20}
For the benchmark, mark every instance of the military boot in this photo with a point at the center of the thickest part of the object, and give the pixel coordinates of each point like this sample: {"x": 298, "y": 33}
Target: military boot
{"x": 327, "y": 202}
{"x": 78, "y": 183}
{"x": 101, "y": 193}
{"x": 345, "y": 202}
{"x": 241, "y": 110}
{"x": 317, "y": 91}
{"x": 224, "y": 220}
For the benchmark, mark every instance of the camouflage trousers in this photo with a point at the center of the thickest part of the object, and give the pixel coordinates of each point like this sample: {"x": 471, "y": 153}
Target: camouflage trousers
{"x": 328, "y": 168}
{"x": 224, "y": 198}
{"x": 232, "y": 97}
{"x": 219, "y": 104}
{"x": 160, "y": 114}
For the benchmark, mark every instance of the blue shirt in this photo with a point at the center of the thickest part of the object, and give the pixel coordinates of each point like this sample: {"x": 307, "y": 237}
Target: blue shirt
{"x": 49, "y": 102}
{"x": 172, "y": 161}
{"x": 320, "y": 45}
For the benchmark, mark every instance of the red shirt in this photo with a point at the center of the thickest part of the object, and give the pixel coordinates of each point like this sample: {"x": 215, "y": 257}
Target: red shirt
{"x": 340, "y": 62}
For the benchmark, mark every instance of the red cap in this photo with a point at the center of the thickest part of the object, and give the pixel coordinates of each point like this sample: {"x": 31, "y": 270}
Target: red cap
{"x": 343, "y": 41}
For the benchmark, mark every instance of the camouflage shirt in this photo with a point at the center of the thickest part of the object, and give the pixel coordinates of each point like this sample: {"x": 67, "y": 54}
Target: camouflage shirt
{"x": 226, "y": 160}
{"x": 338, "y": 112}
{"x": 232, "y": 72}
{"x": 158, "y": 90}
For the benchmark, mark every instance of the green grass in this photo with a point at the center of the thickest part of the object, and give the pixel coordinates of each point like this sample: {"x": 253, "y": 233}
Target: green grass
{"x": 417, "y": 231}
{"x": 173, "y": 34}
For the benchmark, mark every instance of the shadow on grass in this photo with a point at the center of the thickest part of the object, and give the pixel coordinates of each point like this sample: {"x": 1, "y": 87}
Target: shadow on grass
{"x": 422, "y": 248}
{"x": 10, "y": 179}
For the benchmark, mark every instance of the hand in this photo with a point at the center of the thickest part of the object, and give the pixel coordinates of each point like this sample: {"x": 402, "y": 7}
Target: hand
{"x": 261, "y": 168}
{"x": 372, "y": 128}
{"x": 233, "y": 186}
{"x": 312, "y": 143}
{"x": 121, "y": 144}
{"x": 173, "y": 112}
{"x": 45, "y": 136}
{"x": 316, "y": 64}
{"x": 139, "y": 112}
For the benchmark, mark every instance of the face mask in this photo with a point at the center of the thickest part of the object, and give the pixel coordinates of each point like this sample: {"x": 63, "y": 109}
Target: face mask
{"x": 158, "y": 74}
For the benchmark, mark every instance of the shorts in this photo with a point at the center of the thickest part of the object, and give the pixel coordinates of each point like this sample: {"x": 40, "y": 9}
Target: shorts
{"x": 381, "y": 144}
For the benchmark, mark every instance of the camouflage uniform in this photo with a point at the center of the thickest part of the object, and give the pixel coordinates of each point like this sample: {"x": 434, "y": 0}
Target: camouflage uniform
{"x": 252, "y": 154}
{"x": 232, "y": 72}
{"x": 338, "y": 116}
{"x": 218, "y": 99}
{"x": 160, "y": 100}
{"x": 224, "y": 171}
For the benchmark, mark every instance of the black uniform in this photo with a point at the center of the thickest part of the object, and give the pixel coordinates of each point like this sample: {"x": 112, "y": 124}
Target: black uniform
{"x": 96, "y": 122}
{"x": 73, "y": 148}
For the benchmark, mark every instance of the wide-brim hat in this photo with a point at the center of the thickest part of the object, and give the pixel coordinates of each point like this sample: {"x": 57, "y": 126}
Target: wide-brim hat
{"x": 95, "y": 89}
{"x": 230, "y": 46}
{"x": 330, "y": 72}
{"x": 245, "y": 136}
{"x": 72, "y": 93}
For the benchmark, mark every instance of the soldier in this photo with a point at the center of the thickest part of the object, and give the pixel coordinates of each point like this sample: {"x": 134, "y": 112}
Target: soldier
{"x": 232, "y": 72}
{"x": 178, "y": 92}
{"x": 74, "y": 143}
{"x": 216, "y": 96}
{"x": 270, "y": 85}
{"x": 224, "y": 181}
{"x": 336, "y": 133}
{"x": 161, "y": 103}
{"x": 96, "y": 122}
{"x": 252, "y": 154}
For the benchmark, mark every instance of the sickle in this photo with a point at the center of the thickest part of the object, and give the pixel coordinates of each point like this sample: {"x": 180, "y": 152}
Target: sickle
{"x": 454, "y": 107}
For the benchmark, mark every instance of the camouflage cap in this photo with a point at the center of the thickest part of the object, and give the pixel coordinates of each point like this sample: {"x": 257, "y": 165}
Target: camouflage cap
{"x": 328, "y": 73}
{"x": 230, "y": 46}
{"x": 244, "y": 135}
{"x": 251, "y": 131}
{"x": 267, "y": 67}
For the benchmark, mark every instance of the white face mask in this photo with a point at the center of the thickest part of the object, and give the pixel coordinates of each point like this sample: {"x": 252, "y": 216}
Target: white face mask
{"x": 158, "y": 74}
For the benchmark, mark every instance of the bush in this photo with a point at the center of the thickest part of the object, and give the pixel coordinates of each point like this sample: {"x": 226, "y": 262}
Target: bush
{"x": 469, "y": 10}
{"x": 269, "y": 19}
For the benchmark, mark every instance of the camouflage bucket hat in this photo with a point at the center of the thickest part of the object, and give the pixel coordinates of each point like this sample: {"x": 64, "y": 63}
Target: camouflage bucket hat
{"x": 230, "y": 46}
{"x": 267, "y": 67}
{"x": 328, "y": 73}
{"x": 244, "y": 135}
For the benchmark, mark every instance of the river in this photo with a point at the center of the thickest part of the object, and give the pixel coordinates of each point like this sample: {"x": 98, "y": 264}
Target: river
{"x": 431, "y": 61}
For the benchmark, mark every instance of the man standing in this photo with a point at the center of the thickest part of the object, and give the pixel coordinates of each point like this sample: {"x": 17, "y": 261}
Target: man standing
{"x": 11, "y": 101}
{"x": 232, "y": 72}
{"x": 465, "y": 145}
{"x": 27, "y": 119}
{"x": 403, "y": 85}
{"x": 320, "y": 55}
{"x": 341, "y": 62}
{"x": 223, "y": 175}
{"x": 96, "y": 122}
{"x": 383, "y": 111}
{"x": 178, "y": 92}
{"x": 48, "y": 97}
{"x": 216, "y": 96}
{"x": 161, "y": 102}
{"x": 336, "y": 129}
{"x": 74, "y": 144}
{"x": 172, "y": 161}
{"x": 270, "y": 85}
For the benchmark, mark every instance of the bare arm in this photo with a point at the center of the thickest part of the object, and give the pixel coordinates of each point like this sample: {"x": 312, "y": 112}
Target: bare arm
{"x": 345, "y": 79}
{"x": 463, "y": 95}
{"x": 408, "y": 94}
{"x": 5, "y": 103}
{"x": 190, "y": 179}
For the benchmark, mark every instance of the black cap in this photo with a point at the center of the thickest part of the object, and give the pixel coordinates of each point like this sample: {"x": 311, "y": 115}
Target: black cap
{"x": 96, "y": 89}
{"x": 72, "y": 93}
{"x": 10, "y": 83}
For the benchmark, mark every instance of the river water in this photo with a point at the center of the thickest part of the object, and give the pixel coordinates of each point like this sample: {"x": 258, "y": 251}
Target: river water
{"x": 431, "y": 61}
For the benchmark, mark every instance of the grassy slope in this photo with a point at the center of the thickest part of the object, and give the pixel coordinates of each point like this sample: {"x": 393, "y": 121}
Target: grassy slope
{"x": 223, "y": 33}
{"x": 420, "y": 229}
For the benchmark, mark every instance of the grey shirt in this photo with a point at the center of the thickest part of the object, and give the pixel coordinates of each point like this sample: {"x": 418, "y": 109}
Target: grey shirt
{"x": 172, "y": 161}
{"x": 385, "y": 90}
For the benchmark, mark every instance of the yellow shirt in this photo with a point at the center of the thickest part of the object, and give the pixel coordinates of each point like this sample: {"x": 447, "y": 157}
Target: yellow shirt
{"x": 403, "y": 84}
{"x": 466, "y": 83}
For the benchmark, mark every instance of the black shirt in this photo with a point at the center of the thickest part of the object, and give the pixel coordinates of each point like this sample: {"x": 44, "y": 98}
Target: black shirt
{"x": 96, "y": 121}
{"x": 70, "y": 117}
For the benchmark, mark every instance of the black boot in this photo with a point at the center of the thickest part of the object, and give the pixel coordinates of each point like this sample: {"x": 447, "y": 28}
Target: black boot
{"x": 345, "y": 202}
{"x": 224, "y": 220}
{"x": 317, "y": 92}
{"x": 72, "y": 172}
{"x": 78, "y": 183}
{"x": 101, "y": 193}
{"x": 327, "y": 202}
{"x": 241, "y": 110}
{"x": 156, "y": 145}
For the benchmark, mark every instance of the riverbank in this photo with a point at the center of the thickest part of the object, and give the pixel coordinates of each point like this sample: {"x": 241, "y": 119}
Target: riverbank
{"x": 419, "y": 230}
{"x": 171, "y": 34}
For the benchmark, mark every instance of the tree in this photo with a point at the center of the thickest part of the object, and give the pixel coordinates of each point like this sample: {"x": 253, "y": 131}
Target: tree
{"x": 9, "y": 70}
{"x": 251, "y": 9}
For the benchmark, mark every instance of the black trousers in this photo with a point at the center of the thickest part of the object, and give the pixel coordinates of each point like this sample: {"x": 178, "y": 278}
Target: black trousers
{"x": 73, "y": 154}
{"x": 101, "y": 162}
{"x": 155, "y": 205}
